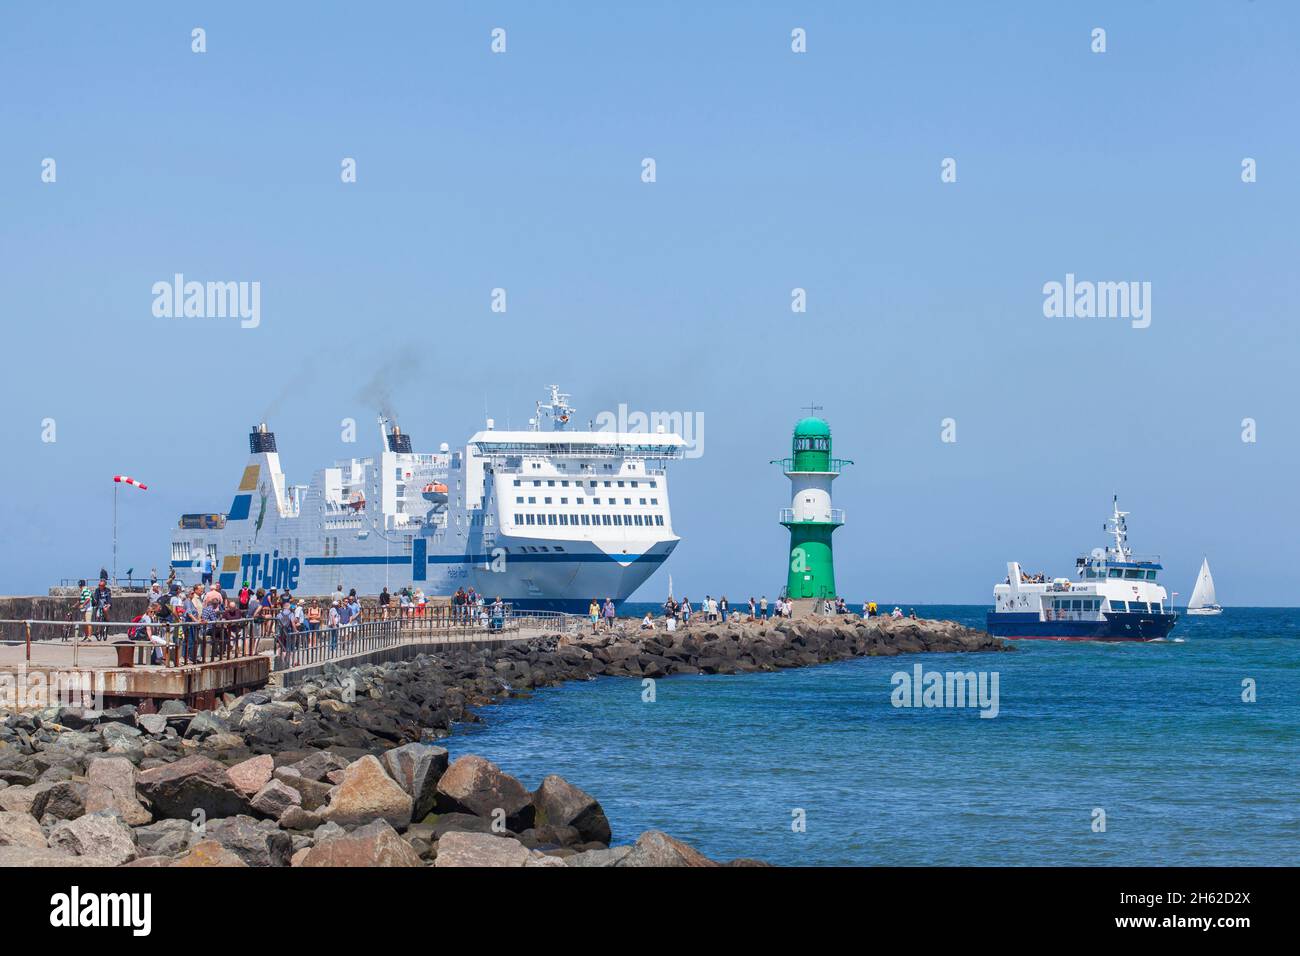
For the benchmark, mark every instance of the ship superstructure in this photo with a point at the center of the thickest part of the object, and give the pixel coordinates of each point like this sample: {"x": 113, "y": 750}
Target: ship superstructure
{"x": 1115, "y": 597}
{"x": 545, "y": 518}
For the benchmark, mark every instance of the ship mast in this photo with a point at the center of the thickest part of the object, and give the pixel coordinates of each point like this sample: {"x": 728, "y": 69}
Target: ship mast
{"x": 558, "y": 408}
{"x": 1119, "y": 528}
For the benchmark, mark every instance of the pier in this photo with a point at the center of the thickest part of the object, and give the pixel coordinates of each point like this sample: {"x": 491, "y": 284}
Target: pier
{"x": 51, "y": 663}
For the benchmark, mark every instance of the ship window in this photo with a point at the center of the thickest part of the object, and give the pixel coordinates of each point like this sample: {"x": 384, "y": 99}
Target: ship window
{"x": 1121, "y": 606}
{"x": 642, "y": 501}
{"x": 627, "y": 501}
{"x": 516, "y": 482}
{"x": 654, "y": 484}
{"x": 564, "y": 519}
{"x": 638, "y": 519}
{"x": 546, "y": 500}
{"x": 564, "y": 501}
{"x": 620, "y": 484}
{"x": 528, "y": 519}
{"x": 550, "y": 484}
{"x": 532, "y": 500}
{"x": 618, "y": 520}
{"x": 586, "y": 519}
{"x": 519, "y": 500}
{"x": 607, "y": 483}
{"x": 595, "y": 501}
{"x": 1132, "y": 574}
{"x": 605, "y": 519}
{"x": 581, "y": 500}
{"x": 634, "y": 484}
{"x": 558, "y": 548}
{"x": 1151, "y": 575}
{"x": 564, "y": 484}
{"x": 654, "y": 501}
{"x": 1116, "y": 572}
{"x": 519, "y": 519}
{"x": 659, "y": 519}
{"x": 550, "y": 519}
{"x": 1076, "y": 605}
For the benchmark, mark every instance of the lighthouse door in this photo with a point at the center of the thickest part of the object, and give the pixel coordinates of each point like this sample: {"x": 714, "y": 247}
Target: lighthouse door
{"x": 806, "y": 586}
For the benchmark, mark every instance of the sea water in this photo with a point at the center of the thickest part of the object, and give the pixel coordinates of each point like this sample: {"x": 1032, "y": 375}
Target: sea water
{"x": 1100, "y": 753}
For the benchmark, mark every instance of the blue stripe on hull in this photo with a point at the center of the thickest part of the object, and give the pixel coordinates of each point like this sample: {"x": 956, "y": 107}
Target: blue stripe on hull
{"x": 1116, "y": 627}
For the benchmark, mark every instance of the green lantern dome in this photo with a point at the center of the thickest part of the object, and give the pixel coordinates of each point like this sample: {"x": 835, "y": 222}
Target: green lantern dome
{"x": 811, "y": 445}
{"x": 812, "y": 428}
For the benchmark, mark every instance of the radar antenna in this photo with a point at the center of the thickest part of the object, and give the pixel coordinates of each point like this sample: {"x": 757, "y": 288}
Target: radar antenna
{"x": 558, "y": 408}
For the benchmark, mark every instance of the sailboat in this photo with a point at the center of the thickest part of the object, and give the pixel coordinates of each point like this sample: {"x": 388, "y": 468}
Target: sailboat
{"x": 1203, "y": 600}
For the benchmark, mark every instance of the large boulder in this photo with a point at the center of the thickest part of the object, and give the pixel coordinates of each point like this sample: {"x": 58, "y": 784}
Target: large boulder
{"x": 480, "y": 849}
{"x": 20, "y": 829}
{"x": 275, "y": 798}
{"x": 655, "y": 848}
{"x": 478, "y": 786}
{"x": 256, "y": 842}
{"x": 25, "y": 857}
{"x": 375, "y": 844}
{"x": 417, "y": 768}
{"x": 315, "y": 794}
{"x": 253, "y": 774}
{"x": 296, "y": 818}
{"x": 164, "y": 838}
{"x": 559, "y": 803}
{"x": 316, "y": 766}
{"x": 209, "y": 853}
{"x": 101, "y": 835}
{"x": 192, "y": 783}
{"x": 367, "y": 793}
{"x": 112, "y": 787}
{"x": 61, "y": 801}
{"x": 610, "y": 857}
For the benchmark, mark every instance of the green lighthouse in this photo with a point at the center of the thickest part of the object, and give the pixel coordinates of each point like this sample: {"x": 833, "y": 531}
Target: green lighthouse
{"x": 810, "y": 517}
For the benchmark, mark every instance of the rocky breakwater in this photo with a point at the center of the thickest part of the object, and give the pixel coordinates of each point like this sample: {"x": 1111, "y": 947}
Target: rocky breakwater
{"x": 114, "y": 788}
{"x": 737, "y": 648}
{"x": 341, "y": 770}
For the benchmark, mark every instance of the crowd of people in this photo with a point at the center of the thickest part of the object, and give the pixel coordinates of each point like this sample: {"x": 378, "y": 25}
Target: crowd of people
{"x": 681, "y": 612}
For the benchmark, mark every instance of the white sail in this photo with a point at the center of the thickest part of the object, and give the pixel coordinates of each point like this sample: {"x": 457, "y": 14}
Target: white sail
{"x": 1203, "y": 593}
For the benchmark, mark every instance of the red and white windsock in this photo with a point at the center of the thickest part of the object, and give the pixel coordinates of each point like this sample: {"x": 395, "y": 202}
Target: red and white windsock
{"x": 124, "y": 480}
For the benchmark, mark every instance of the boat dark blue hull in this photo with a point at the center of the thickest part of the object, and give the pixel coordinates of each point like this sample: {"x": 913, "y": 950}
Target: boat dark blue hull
{"x": 1116, "y": 627}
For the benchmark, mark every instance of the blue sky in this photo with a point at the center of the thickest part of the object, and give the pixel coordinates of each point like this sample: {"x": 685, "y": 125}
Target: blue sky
{"x": 774, "y": 171}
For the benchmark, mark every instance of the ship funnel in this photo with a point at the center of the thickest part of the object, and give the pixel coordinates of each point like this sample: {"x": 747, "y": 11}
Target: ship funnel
{"x": 398, "y": 442}
{"x": 261, "y": 439}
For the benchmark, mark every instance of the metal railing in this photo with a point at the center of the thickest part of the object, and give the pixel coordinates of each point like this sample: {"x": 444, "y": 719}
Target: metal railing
{"x": 836, "y": 517}
{"x": 317, "y": 645}
{"x": 121, "y": 583}
{"x": 171, "y": 643}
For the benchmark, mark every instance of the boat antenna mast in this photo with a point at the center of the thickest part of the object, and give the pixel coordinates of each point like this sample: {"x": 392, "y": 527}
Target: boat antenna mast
{"x": 1118, "y": 527}
{"x": 558, "y": 408}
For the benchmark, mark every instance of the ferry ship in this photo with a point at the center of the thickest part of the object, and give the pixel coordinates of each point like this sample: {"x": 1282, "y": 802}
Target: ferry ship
{"x": 1115, "y": 597}
{"x": 545, "y": 518}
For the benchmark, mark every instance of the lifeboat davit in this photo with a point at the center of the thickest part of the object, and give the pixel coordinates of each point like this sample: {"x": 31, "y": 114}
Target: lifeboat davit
{"x": 358, "y": 501}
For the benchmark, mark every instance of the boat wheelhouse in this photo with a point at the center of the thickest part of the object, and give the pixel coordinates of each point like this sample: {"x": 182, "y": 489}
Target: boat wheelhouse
{"x": 1115, "y": 596}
